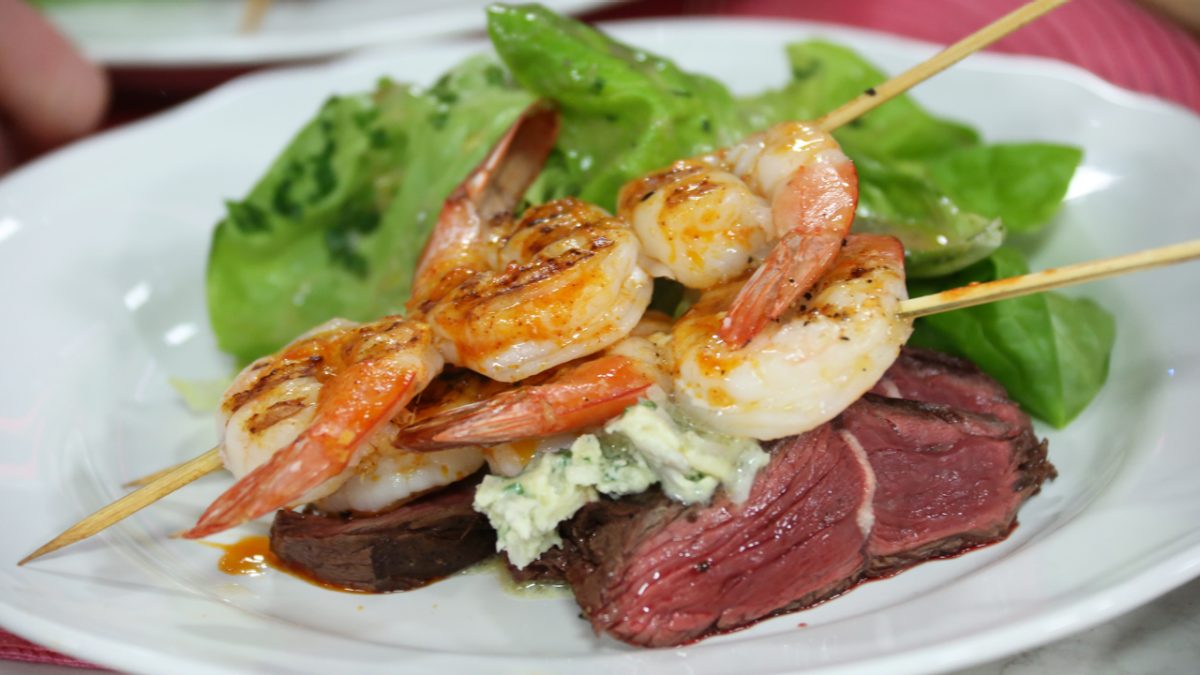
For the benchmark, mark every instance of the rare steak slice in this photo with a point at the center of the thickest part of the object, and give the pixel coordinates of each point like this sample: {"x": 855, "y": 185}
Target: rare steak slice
{"x": 933, "y": 377}
{"x": 653, "y": 572}
{"x": 419, "y": 542}
{"x": 946, "y": 479}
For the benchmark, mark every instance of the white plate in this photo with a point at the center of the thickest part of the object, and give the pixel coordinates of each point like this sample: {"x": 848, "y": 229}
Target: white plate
{"x": 180, "y": 33}
{"x": 102, "y": 252}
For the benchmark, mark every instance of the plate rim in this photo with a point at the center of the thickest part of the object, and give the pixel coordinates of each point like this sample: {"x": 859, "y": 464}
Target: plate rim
{"x": 235, "y": 49}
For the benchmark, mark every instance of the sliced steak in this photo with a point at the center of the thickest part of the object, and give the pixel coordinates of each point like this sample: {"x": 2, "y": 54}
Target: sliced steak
{"x": 653, "y": 572}
{"x": 886, "y": 485}
{"x": 419, "y": 542}
{"x": 947, "y": 479}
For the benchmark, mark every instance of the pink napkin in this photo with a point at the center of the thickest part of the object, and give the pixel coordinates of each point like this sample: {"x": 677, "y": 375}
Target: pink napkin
{"x": 1116, "y": 39}
{"x": 13, "y": 648}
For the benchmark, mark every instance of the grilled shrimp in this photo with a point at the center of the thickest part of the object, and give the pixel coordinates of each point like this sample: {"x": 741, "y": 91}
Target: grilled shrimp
{"x": 510, "y": 299}
{"x": 808, "y": 366}
{"x": 297, "y": 419}
{"x": 784, "y": 198}
{"x": 572, "y": 398}
{"x": 389, "y": 473}
{"x": 568, "y": 285}
{"x": 466, "y": 237}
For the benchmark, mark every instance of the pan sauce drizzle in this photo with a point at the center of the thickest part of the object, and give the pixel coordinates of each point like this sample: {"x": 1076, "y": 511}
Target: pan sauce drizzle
{"x": 252, "y": 556}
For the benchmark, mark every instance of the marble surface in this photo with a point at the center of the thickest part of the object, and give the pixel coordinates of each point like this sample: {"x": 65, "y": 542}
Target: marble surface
{"x": 1162, "y": 638}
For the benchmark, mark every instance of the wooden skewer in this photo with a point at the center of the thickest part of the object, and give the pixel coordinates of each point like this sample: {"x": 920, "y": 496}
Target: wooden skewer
{"x": 1036, "y": 282}
{"x": 156, "y": 489}
{"x": 160, "y": 484}
{"x": 150, "y": 478}
{"x": 876, "y": 96}
{"x": 253, "y": 13}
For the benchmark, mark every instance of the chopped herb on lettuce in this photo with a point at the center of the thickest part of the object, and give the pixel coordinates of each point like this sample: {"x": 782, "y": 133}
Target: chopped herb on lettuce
{"x": 336, "y": 224}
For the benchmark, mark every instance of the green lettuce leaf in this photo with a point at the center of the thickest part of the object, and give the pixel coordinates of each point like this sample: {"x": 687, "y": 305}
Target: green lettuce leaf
{"x": 336, "y": 224}
{"x": 1022, "y": 184}
{"x": 1050, "y": 352}
{"x": 625, "y": 112}
{"x": 928, "y": 181}
{"x": 939, "y": 237}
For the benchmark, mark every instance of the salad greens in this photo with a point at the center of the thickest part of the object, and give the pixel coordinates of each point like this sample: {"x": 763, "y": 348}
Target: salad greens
{"x": 1051, "y": 349}
{"x": 335, "y": 225}
{"x": 337, "y": 222}
{"x": 928, "y": 181}
{"x": 625, "y": 112}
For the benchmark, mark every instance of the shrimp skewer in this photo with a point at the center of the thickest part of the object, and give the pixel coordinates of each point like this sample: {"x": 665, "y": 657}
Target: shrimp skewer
{"x": 795, "y": 263}
{"x": 795, "y": 375}
{"x": 295, "y": 422}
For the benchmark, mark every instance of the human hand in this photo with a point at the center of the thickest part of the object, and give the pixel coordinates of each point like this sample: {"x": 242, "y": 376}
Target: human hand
{"x": 49, "y": 93}
{"x": 1184, "y": 12}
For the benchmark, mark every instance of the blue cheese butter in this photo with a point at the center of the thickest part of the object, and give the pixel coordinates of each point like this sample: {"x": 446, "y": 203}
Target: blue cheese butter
{"x": 647, "y": 444}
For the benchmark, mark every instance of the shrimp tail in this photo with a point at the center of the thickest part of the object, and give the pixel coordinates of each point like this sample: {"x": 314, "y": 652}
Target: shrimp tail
{"x": 494, "y": 188}
{"x": 586, "y": 395}
{"x": 822, "y": 200}
{"x": 364, "y": 398}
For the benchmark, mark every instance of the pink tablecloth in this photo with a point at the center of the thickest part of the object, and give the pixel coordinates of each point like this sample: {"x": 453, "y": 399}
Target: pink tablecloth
{"x": 1116, "y": 39}
{"x": 13, "y": 648}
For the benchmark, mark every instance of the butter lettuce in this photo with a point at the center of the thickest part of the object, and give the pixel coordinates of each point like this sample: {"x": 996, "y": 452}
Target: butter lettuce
{"x": 625, "y": 111}
{"x": 930, "y": 182}
{"x": 336, "y": 224}
{"x": 1050, "y": 351}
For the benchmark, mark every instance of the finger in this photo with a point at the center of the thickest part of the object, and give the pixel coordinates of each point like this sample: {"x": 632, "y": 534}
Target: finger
{"x": 48, "y": 92}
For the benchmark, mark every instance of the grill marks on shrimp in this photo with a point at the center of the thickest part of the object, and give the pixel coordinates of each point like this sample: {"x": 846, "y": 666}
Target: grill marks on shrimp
{"x": 285, "y": 371}
{"x": 642, "y": 189}
{"x": 566, "y": 285}
{"x": 275, "y": 414}
{"x": 806, "y": 365}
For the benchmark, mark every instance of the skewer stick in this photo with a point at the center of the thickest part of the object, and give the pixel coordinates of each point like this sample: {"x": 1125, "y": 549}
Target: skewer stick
{"x": 162, "y": 483}
{"x": 876, "y": 96}
{"x": 1036, "y": 282}
{"x": 150, "y": 478}
{"x": 156, "y": 489}
{"x": 252, "y": 15}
